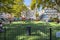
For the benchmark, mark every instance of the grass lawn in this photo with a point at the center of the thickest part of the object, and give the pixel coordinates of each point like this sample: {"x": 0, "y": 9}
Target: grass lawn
{"x": 39, "y": 30}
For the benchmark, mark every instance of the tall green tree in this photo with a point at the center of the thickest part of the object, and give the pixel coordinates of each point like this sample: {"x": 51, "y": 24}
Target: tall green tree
{"x": 58, "y": 5}
{"x": 13, "y": 6}
{"x": 58, "y": 2}
{"x": 5, "y": 5}
{"x": 44, "y": 3}
{"x": 18, "y": 7}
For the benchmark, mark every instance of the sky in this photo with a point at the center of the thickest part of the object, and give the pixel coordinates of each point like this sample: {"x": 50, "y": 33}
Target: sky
{"x": 27, "y": 2}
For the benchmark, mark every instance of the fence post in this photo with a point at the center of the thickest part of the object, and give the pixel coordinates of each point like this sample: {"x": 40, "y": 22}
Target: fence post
{"x": 50, "y": 33}
{"x": 4, "y": 33}
{"x": 29, "y": 30}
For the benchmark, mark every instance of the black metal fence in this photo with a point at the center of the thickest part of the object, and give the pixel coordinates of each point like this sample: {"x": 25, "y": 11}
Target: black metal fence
{"x": 21, "y": 34}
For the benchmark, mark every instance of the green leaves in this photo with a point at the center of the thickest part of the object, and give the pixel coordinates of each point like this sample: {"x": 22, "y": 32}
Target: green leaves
{"x": 45, "y": 3}
{"x": 58, "y": 2}
{"x": 33, "y": 3}
{"x": 13, "y": 6}
{"x": 7, "y": 5}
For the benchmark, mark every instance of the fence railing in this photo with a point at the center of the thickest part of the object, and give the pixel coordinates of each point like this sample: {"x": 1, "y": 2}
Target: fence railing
{"x": 44, "y": 34}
